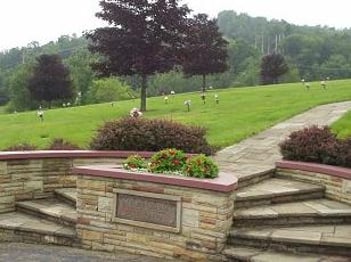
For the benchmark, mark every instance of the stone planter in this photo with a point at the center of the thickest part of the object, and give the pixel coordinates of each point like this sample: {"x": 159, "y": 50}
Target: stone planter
{"x": 337, "y": 180}
{"x": 159, "y": 215}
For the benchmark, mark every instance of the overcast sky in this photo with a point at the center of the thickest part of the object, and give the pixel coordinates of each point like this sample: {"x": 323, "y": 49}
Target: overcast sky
{"x": 24, "y": 21}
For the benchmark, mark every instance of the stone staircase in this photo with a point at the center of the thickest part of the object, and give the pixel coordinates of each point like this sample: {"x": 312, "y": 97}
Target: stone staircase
{"x": 286, "y": 220}
{"x": 275, "y": 220}
{"x": 42, "y": 221}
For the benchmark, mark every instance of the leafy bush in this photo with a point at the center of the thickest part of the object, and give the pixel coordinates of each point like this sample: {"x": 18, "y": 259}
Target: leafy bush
{"x": 317, "y": 145}
{"x": 201, "y": 166}
{"x": 109, "y": 89}
{"x": 21, "y": 147}
{"x": 168, "y": 160}
{"x": 311, "y": 144}
{"x": 60, "y": 144}
{"x": 135, "y": 162}
{"x": 150, "y": 135}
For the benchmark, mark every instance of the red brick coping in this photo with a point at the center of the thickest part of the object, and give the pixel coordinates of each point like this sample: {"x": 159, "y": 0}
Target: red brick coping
{"x": 223, "y": 183}
{"x": 40, "y": 154}
{"x": 316, "y": 168}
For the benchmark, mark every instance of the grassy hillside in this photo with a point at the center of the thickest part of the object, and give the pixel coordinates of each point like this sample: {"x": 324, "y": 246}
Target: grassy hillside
{"x": 239, "y": 114}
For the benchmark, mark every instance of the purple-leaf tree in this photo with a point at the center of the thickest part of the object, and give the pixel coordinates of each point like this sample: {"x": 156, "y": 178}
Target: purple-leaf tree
{"x": 205, "y": 49}
{"x": 143, "y": 37}
{"x": 50, "y": 80}
{"x": 272, "y": 67}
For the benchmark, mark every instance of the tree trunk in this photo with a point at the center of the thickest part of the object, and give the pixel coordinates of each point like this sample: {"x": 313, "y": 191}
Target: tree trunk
{"x": 203, "y": 83}
{"x": 143, "y": 93}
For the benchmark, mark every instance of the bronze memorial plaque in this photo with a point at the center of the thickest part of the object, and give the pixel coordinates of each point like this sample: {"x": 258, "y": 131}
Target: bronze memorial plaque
{"x": 151, "y": 210}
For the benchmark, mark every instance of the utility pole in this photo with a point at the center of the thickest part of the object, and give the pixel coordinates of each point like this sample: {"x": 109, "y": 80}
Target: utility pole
{"x": 276, "y": 43}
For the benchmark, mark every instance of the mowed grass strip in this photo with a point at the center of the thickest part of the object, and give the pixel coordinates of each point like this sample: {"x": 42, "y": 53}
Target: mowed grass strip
{"x": 241, "y": 112}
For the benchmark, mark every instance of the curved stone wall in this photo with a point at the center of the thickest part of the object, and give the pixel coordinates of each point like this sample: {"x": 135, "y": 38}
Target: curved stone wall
{"x": 36, "y": 174}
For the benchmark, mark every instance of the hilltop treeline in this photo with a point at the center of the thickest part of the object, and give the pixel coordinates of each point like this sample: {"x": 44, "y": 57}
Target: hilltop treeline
{"x": 312, "y": 53}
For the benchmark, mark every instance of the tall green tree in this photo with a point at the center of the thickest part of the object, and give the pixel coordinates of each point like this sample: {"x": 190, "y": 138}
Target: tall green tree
{"x": 143, "y": 38}
{"x": 4, "y": 94}
{"x": 81, "y": 73}
{"x": 19, "y": 93}
{"x": 272, "y": 67}
{"x": 50, "y": 80}
{"x": 205, "y": 50}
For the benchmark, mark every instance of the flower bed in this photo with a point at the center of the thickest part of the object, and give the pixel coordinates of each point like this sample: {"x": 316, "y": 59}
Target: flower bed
{"x": 174, "y": 162}
{"x": 225, "y": 182}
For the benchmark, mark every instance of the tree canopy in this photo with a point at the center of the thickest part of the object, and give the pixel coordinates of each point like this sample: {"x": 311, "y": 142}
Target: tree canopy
{"x": 50, "y": 80}
{"x": 143, "y": 37}
{"x": 272, "y": 67}
{"x": 205, "y": 50}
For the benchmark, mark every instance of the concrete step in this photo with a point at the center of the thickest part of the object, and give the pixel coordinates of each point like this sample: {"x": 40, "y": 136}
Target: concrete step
{"x": 68, "y": 195}
{"x": 20, "y": 227}
{"x": 50, "y": 209}
{"x": 265, "y": 255}
{"x": 277, "y": 190}
{"x": 320, "y": 211}
{"x": 251, "y": 175}
{"x": 325, "y": 239}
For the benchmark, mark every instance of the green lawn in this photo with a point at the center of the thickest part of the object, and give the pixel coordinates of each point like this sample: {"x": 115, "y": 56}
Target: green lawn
{"x": 2, "y": 109}
{"x": 343, "y": 126}
{"x": 240, "y": 113}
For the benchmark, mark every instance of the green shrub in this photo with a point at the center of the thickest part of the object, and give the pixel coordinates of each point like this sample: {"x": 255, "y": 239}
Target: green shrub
{"x": 167, "y": 160}
{"x": 201, "y": 166}
{"x": 21, "y": 147}
{"x": 61, "y": 144}
{"x": 150, "y": 135}
{"x": 135, "y": 162}
{"x": 109, "y": 89}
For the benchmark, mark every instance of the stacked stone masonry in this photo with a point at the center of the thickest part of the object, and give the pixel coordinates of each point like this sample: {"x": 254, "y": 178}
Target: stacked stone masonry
{"x": 26, "y": 176}
{"x": 337, "y": 187}
{"x": 206, "y": 218}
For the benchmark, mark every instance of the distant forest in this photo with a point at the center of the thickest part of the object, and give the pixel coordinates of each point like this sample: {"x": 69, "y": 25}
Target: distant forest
{"x": 312, "y": 53}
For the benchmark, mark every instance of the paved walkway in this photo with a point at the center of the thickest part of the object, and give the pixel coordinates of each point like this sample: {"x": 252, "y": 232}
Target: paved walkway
{"x": 260, "y": 152}
{"x": 18, "y": 252}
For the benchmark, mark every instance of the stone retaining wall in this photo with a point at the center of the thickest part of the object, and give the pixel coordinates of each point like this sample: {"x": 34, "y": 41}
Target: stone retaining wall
{"x": 36, "y": 174}
{"x": 197, "y": 231}
{"x": 337, "y": 180}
